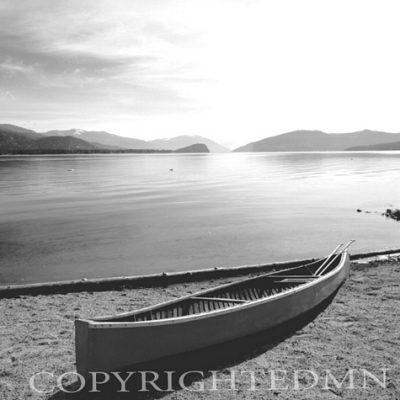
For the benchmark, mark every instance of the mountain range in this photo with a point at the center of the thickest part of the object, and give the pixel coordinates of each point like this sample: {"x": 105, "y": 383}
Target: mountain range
{"x": 109, "y": 139}
{"x": 304, "y": 140}
{"x": 17, "y": 139}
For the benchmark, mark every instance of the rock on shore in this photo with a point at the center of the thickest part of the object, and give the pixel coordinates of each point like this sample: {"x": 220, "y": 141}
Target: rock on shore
{"x": 393, "y": 213}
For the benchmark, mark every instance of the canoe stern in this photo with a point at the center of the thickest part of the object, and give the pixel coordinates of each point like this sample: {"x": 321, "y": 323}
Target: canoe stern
{"x": 82, "y": 343}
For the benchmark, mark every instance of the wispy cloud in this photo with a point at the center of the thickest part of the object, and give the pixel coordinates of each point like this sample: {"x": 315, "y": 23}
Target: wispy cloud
{"x": 89, "y": 54}
{"x": 10, "y": 67}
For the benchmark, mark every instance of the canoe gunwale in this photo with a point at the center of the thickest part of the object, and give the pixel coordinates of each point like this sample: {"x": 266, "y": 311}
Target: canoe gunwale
{"x": 105, "y": 323}
{"x": 104, "y": 318}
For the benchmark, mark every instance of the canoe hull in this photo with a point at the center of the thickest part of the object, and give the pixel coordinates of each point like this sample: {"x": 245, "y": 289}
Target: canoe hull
{"x": 111, "y": 347}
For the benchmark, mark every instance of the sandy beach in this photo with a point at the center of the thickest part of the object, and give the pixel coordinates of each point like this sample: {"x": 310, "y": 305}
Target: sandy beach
{"x": 358, "y": 330}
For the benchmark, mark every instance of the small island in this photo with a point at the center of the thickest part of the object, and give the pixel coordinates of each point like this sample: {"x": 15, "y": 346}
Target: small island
{"x": 194, "y": 148}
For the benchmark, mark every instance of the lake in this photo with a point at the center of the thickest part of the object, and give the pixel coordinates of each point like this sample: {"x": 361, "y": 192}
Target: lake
{"x": 74, "y": 216}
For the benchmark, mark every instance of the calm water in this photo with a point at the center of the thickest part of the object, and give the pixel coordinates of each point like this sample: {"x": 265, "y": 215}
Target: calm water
{"x": 67, "y": 217}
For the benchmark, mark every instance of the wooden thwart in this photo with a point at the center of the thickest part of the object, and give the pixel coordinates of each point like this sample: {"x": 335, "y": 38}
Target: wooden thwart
{"x": 295, "y": 276}
{"x": 216, "y": 299}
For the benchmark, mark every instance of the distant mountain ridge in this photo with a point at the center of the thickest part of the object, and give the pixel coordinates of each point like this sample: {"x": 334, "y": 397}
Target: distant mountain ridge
{"x": 377, "y": 147}
{"x": 17, "y": 140}
{"x": 100, "y": 137}
{"x": 17, "y": 130}
{"x": 304, "y": 140}
{"x": 109, "y": 139}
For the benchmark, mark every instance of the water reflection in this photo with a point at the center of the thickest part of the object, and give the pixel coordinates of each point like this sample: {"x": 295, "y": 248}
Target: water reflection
{"x": 72, "y": 216}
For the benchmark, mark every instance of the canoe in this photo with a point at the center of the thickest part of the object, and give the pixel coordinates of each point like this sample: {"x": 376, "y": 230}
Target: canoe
{"x": 206, "y": 318}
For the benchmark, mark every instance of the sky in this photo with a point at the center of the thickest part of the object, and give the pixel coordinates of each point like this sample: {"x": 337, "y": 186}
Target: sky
{"x": 234, "y": 71}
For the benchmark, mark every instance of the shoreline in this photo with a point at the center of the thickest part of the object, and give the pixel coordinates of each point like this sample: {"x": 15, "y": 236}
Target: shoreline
{"x": 163, "y": 278}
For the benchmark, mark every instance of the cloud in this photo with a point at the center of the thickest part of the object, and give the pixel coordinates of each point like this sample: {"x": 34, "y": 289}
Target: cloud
{"x": 14, "y": 68}
{"x": 160, "y": 31}
{"x": 90, "y": 53}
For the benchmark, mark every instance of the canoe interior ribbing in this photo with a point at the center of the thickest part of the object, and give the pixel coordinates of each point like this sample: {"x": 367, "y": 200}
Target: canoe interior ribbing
{"x": 240, "y": 293}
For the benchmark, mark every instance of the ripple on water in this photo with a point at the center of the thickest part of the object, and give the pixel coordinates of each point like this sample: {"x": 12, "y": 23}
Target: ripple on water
{"x": 66, "y": 217}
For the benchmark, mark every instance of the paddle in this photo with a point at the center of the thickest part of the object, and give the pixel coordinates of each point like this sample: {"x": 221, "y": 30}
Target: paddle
{"x": 328, "y": 258}
{"x": 323, "y": 267}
